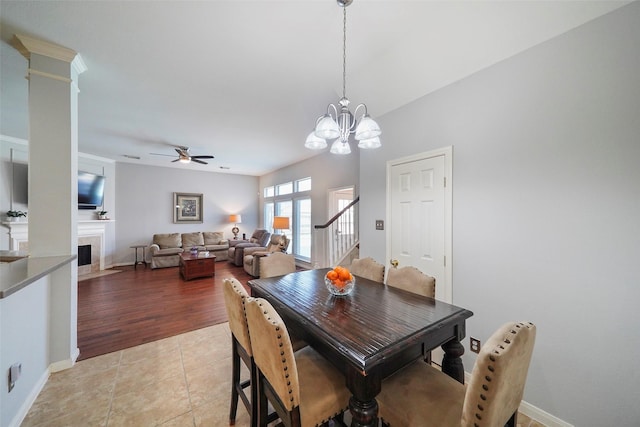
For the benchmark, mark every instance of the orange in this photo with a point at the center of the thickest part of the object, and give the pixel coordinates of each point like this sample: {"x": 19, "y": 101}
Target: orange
{"x": 332, "y": 275}
{"x": 344, "y": 274}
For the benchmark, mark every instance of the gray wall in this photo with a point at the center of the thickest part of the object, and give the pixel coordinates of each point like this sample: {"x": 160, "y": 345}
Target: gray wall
{"x": 144, "y": 203}
{"x": 546, "y": 204}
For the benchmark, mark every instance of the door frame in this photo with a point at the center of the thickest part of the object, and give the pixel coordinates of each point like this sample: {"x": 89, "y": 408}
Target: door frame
{"x": 447, "y": 152}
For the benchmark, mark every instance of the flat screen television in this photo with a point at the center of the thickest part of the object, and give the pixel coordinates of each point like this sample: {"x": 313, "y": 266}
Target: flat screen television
{"x": 90, "y": 190}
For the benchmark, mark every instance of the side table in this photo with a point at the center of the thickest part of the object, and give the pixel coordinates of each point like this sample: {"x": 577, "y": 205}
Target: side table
{"x": 144, "y": 258}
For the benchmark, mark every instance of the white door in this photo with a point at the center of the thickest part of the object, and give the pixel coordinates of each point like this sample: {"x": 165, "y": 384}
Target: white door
{"x": 419, "y": 216}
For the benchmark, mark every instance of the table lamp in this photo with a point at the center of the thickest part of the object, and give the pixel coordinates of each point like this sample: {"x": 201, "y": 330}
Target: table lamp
{"x": 236, "y": 219}
{"x": 280, "y": 222}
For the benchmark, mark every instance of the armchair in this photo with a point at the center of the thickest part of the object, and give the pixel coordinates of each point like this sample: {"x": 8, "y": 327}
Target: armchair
{"x": 251, "y": 260}
{"x": 259, "y": 238}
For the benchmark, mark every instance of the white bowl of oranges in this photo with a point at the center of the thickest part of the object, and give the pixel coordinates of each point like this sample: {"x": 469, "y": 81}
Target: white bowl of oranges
{"x": 339, "y": 281}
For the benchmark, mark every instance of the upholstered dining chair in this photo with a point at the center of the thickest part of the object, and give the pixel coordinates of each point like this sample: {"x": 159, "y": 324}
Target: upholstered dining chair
{"x": 276, "y": 264}
{"x": 413, "y": 280}
{"x": 420, "y": 395}
{"x": 235, "y": 297}
{"x": 368, "y": 268}
{"x": 305, "y": 389}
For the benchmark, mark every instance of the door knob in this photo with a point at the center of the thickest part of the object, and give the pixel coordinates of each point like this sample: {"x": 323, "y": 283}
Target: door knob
{"x": 394, "y": 263}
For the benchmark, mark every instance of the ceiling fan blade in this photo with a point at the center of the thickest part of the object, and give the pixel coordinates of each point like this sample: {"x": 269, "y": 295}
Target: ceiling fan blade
{"x": 202, "y": 157}
{"x": 176, "y": 160}
{"x": 193, "y": 159}
{"x": 180, "y": 151}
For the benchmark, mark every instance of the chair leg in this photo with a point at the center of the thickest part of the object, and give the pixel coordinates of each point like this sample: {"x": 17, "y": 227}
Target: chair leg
{"x": 235, "y": 379}
{"x": 262, "y": 402}
{"x": 254, "y": 394}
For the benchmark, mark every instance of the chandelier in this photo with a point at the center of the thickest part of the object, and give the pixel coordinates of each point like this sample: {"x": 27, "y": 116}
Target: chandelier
{"x": 338, "y": 123}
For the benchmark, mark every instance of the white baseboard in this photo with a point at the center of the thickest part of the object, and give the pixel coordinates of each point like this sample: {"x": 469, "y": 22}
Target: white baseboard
{"x": 29, "y": 401}
{"x": 533, "y": 412}
{"x": 65, "y": 364}
{"x": 541, "y": 416}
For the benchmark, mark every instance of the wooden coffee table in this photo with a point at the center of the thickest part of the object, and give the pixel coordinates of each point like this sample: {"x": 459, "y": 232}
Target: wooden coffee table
{"x": 192, "y": 266}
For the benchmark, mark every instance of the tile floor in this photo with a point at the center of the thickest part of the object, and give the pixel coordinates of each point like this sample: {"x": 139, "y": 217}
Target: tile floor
{"x": 180, "y": 381}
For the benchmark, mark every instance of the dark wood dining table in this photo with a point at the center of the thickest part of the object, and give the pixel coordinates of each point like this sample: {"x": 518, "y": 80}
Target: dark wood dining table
{"x": 368, "y": 334}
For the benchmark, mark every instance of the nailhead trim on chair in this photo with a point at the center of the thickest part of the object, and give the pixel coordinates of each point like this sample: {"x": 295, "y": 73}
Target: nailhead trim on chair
{"x": 491, "y": 368}
{"x": 284, "y": 360}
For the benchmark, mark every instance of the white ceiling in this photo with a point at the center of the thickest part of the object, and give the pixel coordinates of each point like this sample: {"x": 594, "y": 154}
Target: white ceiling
{"x": 246, "y": 80}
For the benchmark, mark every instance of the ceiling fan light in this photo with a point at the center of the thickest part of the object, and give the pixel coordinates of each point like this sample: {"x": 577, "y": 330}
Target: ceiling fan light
{"x": 327, "y": 128}
{"x": 367, "y": 128}
{"x": 315, "y": 143}
{"x": 185, "y": 160}
{"x": 339, "y": 147}
{"x": 369, "y": 144}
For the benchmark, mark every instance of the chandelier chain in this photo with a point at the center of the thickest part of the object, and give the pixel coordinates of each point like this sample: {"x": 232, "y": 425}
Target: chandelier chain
{"x": 344, "y": 52}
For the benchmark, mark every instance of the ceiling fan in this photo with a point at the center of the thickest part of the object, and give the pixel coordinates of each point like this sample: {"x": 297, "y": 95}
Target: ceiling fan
{"x": 185, "y": 157}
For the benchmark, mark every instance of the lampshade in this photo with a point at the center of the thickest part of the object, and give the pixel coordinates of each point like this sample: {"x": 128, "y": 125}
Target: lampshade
{"x": 315, "y": 143}
{"x": 280, "y": 222}
{"x": 235, "y": 218}
{"x": 327, "y": 128}
{"x": 367, "y": 144}
{"x": 367, "y": 128}
{"x": 339, "y": 147}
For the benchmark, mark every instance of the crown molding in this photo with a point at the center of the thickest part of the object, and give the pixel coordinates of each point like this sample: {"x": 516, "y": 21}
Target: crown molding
{"x": 29, "y": 45}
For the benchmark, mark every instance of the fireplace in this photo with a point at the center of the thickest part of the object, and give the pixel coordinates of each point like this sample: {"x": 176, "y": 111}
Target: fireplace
{"x": 84, "y": 255}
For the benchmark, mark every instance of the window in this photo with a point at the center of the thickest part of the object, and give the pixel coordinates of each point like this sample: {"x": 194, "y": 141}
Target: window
{"x": 291, "y": 199}
{"x": 268, "y": 215}
{"x": 286, "y": 188}
{"x": 303, "y": 228}
{"x": 303, "y": 185}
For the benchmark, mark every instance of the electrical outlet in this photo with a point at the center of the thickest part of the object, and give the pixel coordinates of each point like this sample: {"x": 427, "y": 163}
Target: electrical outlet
{"x": 474, "y": 344}
{"x": 14, "y": 374}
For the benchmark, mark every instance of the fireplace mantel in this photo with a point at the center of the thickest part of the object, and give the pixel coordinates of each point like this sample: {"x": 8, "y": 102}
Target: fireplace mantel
{"x": 19, "y": 233}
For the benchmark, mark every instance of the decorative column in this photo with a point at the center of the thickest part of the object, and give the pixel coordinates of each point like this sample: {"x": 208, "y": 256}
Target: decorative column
{"x": 53, "y": 175}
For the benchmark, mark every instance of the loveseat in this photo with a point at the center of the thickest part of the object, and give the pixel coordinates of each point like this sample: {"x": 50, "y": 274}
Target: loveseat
{"x": 166, "y": 248}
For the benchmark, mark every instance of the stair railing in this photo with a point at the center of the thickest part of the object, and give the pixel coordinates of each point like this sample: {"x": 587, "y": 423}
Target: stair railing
{"x": 334, "y": 240}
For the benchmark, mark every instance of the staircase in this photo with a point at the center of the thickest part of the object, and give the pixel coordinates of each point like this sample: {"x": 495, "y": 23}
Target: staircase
{"x": 337, "y": 241}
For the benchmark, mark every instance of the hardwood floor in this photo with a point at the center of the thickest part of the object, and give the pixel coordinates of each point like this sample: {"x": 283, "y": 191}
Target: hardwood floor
{"x": 141, "y": 305}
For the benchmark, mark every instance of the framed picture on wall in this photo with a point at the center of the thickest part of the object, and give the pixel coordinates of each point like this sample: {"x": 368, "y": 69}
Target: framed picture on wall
{"x": 187, "y": 208}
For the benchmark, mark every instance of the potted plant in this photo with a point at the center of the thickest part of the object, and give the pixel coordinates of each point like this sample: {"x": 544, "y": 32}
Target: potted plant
{"x": 102, "y": 214}
{"x": 15, "y": 215}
